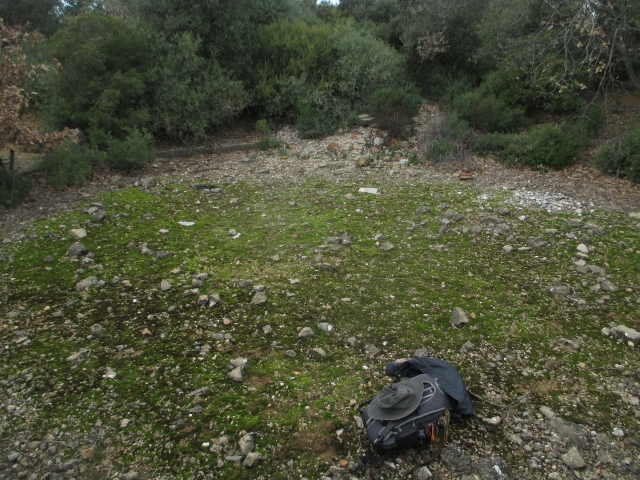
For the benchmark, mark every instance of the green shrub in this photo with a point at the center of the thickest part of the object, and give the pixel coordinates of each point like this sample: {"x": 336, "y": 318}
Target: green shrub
{"x": 552, "y": 147}
{"x": 320, "y": 76}
{"x": 69, "y": 164}
{"x": 446, "y": 138}
{"x": 394, "y": 109}
{"x": 14, "y": 187}
{"x": 131, "y": 153}
{"x": 101, "y": 86}
{"x": 191, "y": 94}
{"x": 488, "y": 113}
{"x": 508, "y": 148}
{"x": 622, "y": 157}
{"x": 266, "y": 142}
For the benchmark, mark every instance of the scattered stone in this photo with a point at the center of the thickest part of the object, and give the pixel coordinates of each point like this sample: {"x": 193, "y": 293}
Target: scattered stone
{"x": 582, "y": 248}
{"x": 327, "y": 267}
{"x": 290, "y": 354}
{"x": 96, "y": 330}
{"x": 86, "y": 284}
{"x": 239, "y": 364}
{"x": 163, "y": 255}
{"x": 634, "y": 215}
{"x": 458, "y": 317}
{"x": 78, "y": 356}
{"x": 379, "y": 237}
{"x": 547, "y": 412}
{"x": 78, "y": 233}
{"x": 626, "y": 334}
{"x": 99, "y": 216}
{"x": 251, "y": 459}
{"x": 423, "y": 473}
{"x": 597, "y": 270}
{"x": 617, "y": 432}
{"x": 49, "y": 259}
{"x": 536, "y": 242}
{"x": 438, "y": 248}
{"x": 573, "y": 459}
{"x": 503, "y": 212}
{"x": 260, "y": 298}
{"x": 319, "y": 352}
{"x": 77, "y": 250}
{"x": 493, "y": 468}
{"x": 307, "y": 333}
{"x": 166, "y": 285}
{"x": 325, "y": 327}
{"x": 131, "y": 475}
{"x": 607, "y": 286}
{"x": 491, "y": 219}
{"x": 385, "y": 247}
{"x": 350, "y": 196}
{"x": 507, "y": 249}
{"x": 467, "y": 346}
{"x": 246, "y": 444}
{"x": 267, "y": 329}
{"x": 456, "y": 460}
{"x": 371, "y": 349}
{"x": 234, "y": 202}
{"x": 560, "y": 290}
{"x": 423, "y": 210}
{"x": 493, "y": 421}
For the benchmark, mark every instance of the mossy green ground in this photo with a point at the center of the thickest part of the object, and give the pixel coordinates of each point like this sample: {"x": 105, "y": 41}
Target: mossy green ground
{"x": 398, "y": 300}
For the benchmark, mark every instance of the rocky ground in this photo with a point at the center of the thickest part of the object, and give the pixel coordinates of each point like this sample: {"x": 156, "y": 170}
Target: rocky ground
{"x": 134, "y": 346}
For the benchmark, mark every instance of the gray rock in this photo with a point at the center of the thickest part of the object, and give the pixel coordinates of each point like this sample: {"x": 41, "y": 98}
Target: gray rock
{"x": 456, "y": 460}
{"x": 507, "y": 249}
{"x": 77, "y": 250}
{"x": 573, "y": 432}
{"x": 458, "y": 317}
{"x": 493, "y": 468}
{"x": 491, "y": 219}
{"x": 325, "y": 327}
{"x": 423, "y": 473}
{"x": 78, "y": 233}
{"x": 371, "y": 349}
{"x": 607, "y": 286}
{"x": 379, "y": 237}
{"x": 423, "y": 210}
{"x": 251, "y": 459}
{"x": 86, "y": 284}
{"x": 163, "y": 255}
{"x": 235, "y": 375}
{"x": 319, "y": 352}
{"x": 597, "y": 270}
{"x": 547, "y": 412}
{"x": 98, "y": 216}
{"x": 573, "y": 459}
{"x": 131, "y": 475}
{"x": 467, "y": 346}
{"x": 327, "y": 267}
{"x": 267, "y": 329}
{"x": 78, "y": 356}
{"x": 49, "y": 259}
{"x": 385, "y": 247}
{"x": 290, "y": 354}
{"x": 260, "y": 298}
{"x": 422, "y": 352}
{"x": 97, "y": 330}
{"x": 536, "y": 242}
{"x": 245, "y": 284}
{"x": 574, "y": 223}
{"x": 13, "y": 456}
{"x": 350, "y": 196}
{"x": 503, "y": 212}
{"x": 166, "y": 285}
{"x": 246, "y": 444}
{"x": 234, "y": 202}
{"x": 560, "y": 290}
{"x": 307, "y": 333}
{"x": 628, "y": 335}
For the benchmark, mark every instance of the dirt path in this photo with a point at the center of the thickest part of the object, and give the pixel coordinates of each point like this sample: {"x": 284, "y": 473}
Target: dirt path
{"x": 335, "y": 157}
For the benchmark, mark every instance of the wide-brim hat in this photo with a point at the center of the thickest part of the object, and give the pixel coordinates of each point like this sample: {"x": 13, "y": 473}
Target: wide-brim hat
{"x": 396, "y": 400}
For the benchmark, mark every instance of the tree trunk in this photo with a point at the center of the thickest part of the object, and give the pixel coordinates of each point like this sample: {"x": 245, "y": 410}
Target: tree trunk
{"x": 635, "y": 80}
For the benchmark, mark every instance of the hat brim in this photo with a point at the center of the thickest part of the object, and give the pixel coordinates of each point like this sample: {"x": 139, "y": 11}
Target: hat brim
{"x": 374, "y": 411}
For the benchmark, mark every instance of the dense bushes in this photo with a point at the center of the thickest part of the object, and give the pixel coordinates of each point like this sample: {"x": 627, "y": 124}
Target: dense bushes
{"x": 488, "y": 113}
{"x": 544, "y": 146}
{"x": 14, "y": 187}
{"x": 321, "y": 75}
{"x": 394, "y": 108}
{"x": 622, "y": 157}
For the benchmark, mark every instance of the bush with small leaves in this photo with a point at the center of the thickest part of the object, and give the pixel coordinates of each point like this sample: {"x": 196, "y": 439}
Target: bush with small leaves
{"x": 394, "y": 109}
{"x": 622, "y": 156}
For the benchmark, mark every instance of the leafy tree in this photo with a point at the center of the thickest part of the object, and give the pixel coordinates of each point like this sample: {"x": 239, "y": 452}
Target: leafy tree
{"x": 16, "y": 76}
{"x": 40, "y": 15}
{"x": 101, "y": 87}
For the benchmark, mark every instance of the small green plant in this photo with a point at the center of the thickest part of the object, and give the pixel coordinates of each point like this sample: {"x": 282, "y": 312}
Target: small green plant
{"x": 488, "y": 113}
{"x": 70, "y": 164}
{"x": 622, "y": 156}
{"x": 14, "y": 187}
{"x": 552, "y": 147}
{"x": 131, "y": 153}
{"x": 314, "y": 123}
{"x": 413, "y": 159}
{"x": 394, "y": 109}
{"x": 267, "y": 141}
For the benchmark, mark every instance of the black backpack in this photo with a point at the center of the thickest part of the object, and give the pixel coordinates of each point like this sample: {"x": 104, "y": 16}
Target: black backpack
{"x": 429, "y": 420}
